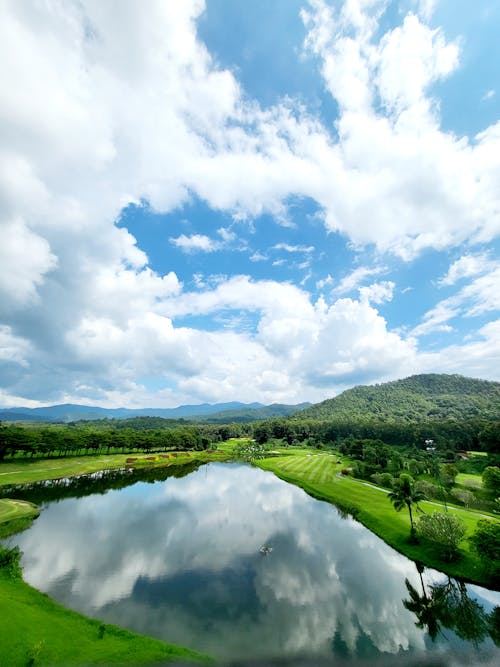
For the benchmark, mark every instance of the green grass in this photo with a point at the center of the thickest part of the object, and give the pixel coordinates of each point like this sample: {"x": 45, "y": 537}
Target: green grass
{"x": 37, "y": 631}
{"x": 24, "y": 472}
{"x": 317, "y": 475}
{"x": 16, "y": 515}
{"x": 469, "y": 480}
{"x": 15, "y": 509}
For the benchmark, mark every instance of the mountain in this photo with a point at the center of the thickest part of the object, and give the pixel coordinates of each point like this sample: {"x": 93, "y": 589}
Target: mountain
{"x": 218, "y": 413}
{"x": 249, "y": 414}
{"x": 429, "y": 396}
{"x": 69, "y": 412}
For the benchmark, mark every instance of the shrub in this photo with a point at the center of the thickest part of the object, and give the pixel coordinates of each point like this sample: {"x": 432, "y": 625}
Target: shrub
{"x": 10, "y": 561}
{"x": 443, "y": 530}
{"x": 387, "y": 479}
{"x": 428, "y": 489}
{"x": 491, "y": 479}
{"x": 486, "y": 543}
{"x": 463, "y": 496}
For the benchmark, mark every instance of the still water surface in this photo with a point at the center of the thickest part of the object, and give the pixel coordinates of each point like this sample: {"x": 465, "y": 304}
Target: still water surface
{"x": 179, "y": 559}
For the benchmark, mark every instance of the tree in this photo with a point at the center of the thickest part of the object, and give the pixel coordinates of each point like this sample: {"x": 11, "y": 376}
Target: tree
{"x": 427, "y": 489}
{"x": 491, "y": 479}
{"x": 443, "y": 530}
{"x": 448, "y": 474}
{"x": 463, "y": 496}
{"x": 486, "y": 543}
{"x": 405, "y": 493}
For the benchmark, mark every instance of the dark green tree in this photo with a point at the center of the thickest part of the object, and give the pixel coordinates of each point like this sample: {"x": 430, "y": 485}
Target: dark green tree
{"x": 491, "y": 479}
{"x": 486, "y": 543}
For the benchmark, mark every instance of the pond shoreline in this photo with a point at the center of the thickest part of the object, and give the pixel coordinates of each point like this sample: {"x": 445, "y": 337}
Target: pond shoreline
{"x": 339, "y": 496}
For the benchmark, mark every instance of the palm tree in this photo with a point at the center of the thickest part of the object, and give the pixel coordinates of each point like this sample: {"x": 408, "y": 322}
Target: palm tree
{"x": 404, "y": 493}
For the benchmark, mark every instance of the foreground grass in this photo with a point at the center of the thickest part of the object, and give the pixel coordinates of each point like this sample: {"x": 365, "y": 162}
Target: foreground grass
{"x": 37, "y": 631}
{"x": 318, "y": 475}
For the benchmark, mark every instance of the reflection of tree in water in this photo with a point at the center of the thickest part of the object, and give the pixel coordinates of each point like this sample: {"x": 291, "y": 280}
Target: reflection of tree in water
{"x": 99, "y": 482}
{"x": 448, "y": 605}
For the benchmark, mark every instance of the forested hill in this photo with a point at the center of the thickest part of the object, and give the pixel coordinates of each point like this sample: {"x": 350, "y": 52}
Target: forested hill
{"x": 417, "y": 397}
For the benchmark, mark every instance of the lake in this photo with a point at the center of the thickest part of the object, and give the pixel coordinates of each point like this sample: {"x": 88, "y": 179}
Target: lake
{"x": 179, "y": 559}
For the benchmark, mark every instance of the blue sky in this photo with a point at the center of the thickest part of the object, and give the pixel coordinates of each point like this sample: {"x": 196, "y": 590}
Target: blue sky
{"x": 266, "y": 201}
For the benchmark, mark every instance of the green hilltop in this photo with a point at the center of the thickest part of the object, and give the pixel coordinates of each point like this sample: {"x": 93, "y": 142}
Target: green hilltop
{"x": 428, "y": 396}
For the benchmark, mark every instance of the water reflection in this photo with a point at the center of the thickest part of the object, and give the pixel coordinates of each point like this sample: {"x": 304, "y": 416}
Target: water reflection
{"x": 180, "y": 560}
{"x": 447, "y": 604}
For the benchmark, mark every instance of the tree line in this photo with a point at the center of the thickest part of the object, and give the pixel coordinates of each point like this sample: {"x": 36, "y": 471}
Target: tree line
{"x": 156, "y": 434}
{"x": 48, "y": 441}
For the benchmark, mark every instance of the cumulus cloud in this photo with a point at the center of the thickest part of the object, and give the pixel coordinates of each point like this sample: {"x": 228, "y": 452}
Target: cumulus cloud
{"x": 25, "y": 258}
{"x": 378, "y": 292}
{"x": 139, "y": 111}
{"x": 398, "y": 180}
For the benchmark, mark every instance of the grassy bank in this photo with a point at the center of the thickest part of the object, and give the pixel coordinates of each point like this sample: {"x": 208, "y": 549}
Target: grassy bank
{"x": 37, "y": 631}
{"x": 26, "y": 471}
{"x": 319, "y": 475}
{"x": 16, "y": 515}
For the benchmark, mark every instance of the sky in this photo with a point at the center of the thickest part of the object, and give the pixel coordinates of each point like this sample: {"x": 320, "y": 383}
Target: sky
{"x": 222, "y": 200}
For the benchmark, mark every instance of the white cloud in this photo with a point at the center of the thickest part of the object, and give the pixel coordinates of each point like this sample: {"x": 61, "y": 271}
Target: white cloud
{"x": 294, "y": 248}
{"x": 356, "y": 277}
{"x": 396, "y": 179}
{"x": 296, "y": 349}
{"x": 377, "y": 292}
{"x": 139, "y": 111}
{"x": 12, "y": 348}
{"x": 426, "y": 8}
{"x": 467, "y": 266}
{"x": 258, "y": 257}
{"x": 226, "y": 234}
{"x": 480, "y": 296}
{"x": 324, "y": 282}
{"x": 25, "y": 258}
{"x": 195, "y": 243}
{"x": 488, "y": 94}
{"x": 477, "y": 358}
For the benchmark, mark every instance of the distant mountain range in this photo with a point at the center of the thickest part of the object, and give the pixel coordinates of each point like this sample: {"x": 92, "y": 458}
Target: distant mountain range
{"x": 419, "y": 397}
{"x": 215, "y": 413}
{"x": 428, "y": 396}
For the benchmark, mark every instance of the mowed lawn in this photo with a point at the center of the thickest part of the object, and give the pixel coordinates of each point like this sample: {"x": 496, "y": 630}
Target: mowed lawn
{"x": 469, "y": 481}
{"x": 15, "y": 509}
{"x": 319, "y": 475}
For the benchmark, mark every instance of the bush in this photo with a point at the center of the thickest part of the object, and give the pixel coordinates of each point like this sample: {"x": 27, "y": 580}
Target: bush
{"x": 462, "y": 496}
{"x": 10, "y": 561}
{"x": 486, "y": 543}
{"x": 491, "y": 479}
{"x": 443, "y": 530}
{"x": 428, "y": 489}
{"x": 387, "y": 479}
